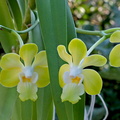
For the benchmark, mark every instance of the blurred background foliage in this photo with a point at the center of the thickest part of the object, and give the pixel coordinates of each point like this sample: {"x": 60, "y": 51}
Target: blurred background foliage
{"x": 101, "y": 15}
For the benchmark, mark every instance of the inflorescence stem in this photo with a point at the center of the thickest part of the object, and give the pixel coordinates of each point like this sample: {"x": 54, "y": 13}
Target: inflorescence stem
{"x": 88, "y": 32}
{"x": 97, "y": 43}
{"x": 16, "y": 33}
{"x": 97, "y": 33}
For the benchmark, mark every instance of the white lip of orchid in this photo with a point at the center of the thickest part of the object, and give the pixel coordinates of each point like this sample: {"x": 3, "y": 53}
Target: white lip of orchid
{"x": 75, "y": 72}
{"x": 28, "y": 73}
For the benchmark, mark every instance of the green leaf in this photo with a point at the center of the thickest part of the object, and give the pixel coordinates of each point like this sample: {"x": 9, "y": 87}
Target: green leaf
{"x": 7, "y": 40}
{"x": 8, "y": 98}
{"x": 43, "y": 107}
{"x": 22, "y": 6}
{"x": 32, "y": 4}
{"x": 23, "y": 110}
{"x": 71, "y": 32}
{"x": 35, "y": 35}
{"x": 53, "y": 23}
{"x": 17, "y": 111}
{"x": 78, "y": 108}
{"x": 16, "y": 13}
{"x": 26, "y": 110}
{"x": 44, "y": 104}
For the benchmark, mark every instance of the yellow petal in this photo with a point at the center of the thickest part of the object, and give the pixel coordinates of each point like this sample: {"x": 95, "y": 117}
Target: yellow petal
{"x": 40, "y": 59}
{"x": 115, "y": 37}
{"x": 63, "y": 54}
{"x": 92, "y": 81}
{"x": 94, "y": 60}
{"x": 27, "y": 91}
{"x": 114, "y": 56}
{"x": 10, "y": 77}
{"x": 43, "y": 76}
{"x": 71, "y": 92}
{"x": 78, "y": 50}
{"x": 64, "y": 68}
{"x": 27, "y": 53}
{"x": 10, "y": 60}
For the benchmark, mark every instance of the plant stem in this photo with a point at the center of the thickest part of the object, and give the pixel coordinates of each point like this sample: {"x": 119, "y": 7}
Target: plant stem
{"x": 97, "y": 43}
{"x": 98, "y": 33}
{"x": 20, "y": 32}
{"x": 14, "y": 33}
{"x": 88, "y": 32}
{"x": 29, "y": 29}
{"x": 5, "y": 28}
{"x": 111, "y": 30}
{"x": 18, "y": 36}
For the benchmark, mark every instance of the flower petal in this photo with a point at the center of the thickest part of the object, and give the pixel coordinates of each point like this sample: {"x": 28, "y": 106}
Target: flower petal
{"x": 64, "y": 68}
{"x": 94, "y": 60}
{"x": 10, "y": 60}
{"x": 27, "y": 91}
{"x": 40, "y": 59}
{"x": 78, "y": 50}
{"x": 115, "y": 37}
{"x": 43, "y": 76}
{"x": 71, "y": 92}
{"x": 10, "y": 77}
{"x": 92, "y": 82}
{"x": 114, "y": 56}
{"x": 27, "y": 53}
{"x": 63, "y": 54}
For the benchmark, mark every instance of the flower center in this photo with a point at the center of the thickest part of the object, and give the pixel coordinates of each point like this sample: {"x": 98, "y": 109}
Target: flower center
{"x": 28, "y": 75}
{"x": 76, "y": 79}
{"x": 24, "y": 79}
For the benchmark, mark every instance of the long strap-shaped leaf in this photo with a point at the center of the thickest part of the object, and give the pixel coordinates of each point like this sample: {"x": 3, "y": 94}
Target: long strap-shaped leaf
{"x": 79, "y": 107}
{"x": 7, "y": 40}
{"x": 43, "y": 107}
{"x": 7, "y": 101}
{"x": 7, "y": 95}
{"x": 16, "y": 13}
{"x": 53, "y": 21}
{"x": 44, "y": 104}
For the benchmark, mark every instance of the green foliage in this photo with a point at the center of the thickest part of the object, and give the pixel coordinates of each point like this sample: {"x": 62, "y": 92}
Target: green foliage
{"x": 50, "y": 23}
{"x": 7, "y": 40}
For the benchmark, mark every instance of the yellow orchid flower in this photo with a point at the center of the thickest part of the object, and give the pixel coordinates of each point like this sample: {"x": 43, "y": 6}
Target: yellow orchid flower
{"x": 28, "y": 71}
{"x": 114, "y": 56}
{"x": 73, "y": 78}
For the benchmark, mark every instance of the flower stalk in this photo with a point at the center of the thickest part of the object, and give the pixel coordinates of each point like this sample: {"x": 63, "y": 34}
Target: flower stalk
{"x": 97, "y": 43}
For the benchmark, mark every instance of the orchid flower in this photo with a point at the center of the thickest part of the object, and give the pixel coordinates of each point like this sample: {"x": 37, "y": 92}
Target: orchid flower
{"x": 74, "y": 77}
{"x": 27, "y": 71}
{"x": 114, "y": 56}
